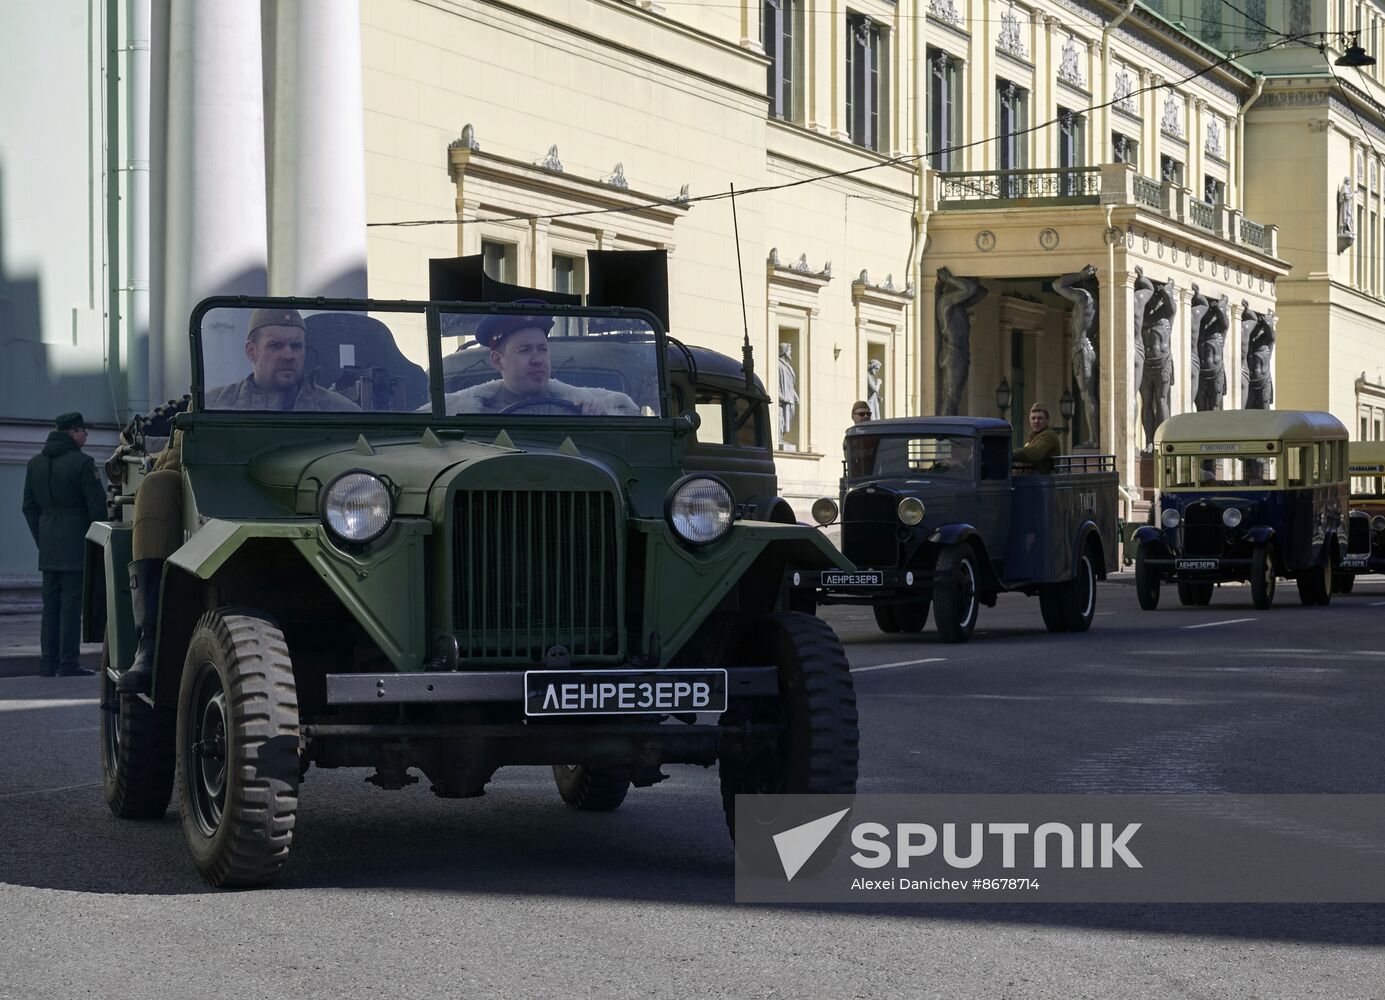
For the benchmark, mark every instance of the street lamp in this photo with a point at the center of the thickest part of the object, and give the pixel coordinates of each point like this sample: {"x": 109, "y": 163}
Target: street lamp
{"x": 1355, "y": 56}
{"x": 1065, "y": 408}
{"x": 1002, "y": 396}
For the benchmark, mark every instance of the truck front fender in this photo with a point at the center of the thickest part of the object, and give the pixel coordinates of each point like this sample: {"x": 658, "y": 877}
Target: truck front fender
{"x": 1149, "y": 533}
{"x": 1260, "y": 534}
{"x": 950, "y": 534}
{"x": 106, "y": 614}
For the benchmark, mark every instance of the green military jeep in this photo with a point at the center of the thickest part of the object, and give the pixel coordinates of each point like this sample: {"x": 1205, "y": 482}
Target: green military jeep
{"x": 458, "y": 575}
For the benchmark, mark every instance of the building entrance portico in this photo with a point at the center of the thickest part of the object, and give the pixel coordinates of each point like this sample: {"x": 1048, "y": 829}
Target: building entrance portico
{"x": 1124, "y": 301}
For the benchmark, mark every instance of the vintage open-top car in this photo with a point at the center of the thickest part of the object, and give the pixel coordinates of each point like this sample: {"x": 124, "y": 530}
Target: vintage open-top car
{"x": 456, "y": 577}
{"x": 934, "y": 516}
{"x": 1365, "y": 551}
{"x": 1245, "y": 495}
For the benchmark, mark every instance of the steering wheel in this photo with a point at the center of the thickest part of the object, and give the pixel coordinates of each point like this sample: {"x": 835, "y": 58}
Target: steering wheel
{"x": 562, "y": 405}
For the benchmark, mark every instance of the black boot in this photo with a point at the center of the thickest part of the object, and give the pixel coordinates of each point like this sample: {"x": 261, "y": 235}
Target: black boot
{"x": 145, "y": 577}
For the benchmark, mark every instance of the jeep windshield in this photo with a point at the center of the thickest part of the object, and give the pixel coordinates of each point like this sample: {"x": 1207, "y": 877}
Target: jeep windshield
{"x": 543, "y": 363}
{"x": 289, "y": 357}
{"x": 281, "y": 358}
{"x": 931, "y": 456}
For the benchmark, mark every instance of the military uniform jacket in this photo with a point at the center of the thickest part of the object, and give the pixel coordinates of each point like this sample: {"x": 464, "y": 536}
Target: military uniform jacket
{"x": 1039, "y": 450}
{"x": 492, "y": 397}
{"x": 62, "y": 496}
{"x": 246, "y": 395}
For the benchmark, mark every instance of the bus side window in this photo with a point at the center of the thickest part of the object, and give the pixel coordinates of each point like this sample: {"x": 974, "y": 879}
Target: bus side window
{"x": 1296, "y": 473}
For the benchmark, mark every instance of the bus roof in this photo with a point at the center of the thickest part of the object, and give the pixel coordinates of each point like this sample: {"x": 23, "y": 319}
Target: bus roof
{"x": 1250, "y": 425}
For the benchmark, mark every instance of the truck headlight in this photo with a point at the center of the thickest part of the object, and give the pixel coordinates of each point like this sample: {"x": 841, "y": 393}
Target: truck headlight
{"x": 1231, "y": 517}
{"x": 910, "y": 511}
{"x": 825, "y": 511}
{"x": 699, "y": 509}
{"x": 1378, "y": 522}
{"x": 1170, "y": 518}
{"x": 357, "y": 507}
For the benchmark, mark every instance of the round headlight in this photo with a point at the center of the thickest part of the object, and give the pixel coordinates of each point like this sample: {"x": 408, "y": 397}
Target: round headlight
{"x": 1170, "y": 518}
{"x": 1378, "y": 522}
{"x": 1231, "y": 517}
{"x": 910, "y": 511}
{"x": 357, "y": 507}
{"x": 700, "y": 509}
{"x": 825, "y": 511}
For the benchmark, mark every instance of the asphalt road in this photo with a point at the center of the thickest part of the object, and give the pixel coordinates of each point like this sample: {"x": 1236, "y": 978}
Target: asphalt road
{"x": 402, "y": 894}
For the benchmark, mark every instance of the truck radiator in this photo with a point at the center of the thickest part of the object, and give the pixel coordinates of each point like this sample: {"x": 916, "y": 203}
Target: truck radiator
{"x": 1203, "y": 531}
{"x": 1359, "y": 533}
{"x": 533, "y": 570}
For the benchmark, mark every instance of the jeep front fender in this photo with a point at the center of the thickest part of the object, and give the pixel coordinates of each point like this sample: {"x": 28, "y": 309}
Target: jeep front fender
{"x": 381, "y": 586}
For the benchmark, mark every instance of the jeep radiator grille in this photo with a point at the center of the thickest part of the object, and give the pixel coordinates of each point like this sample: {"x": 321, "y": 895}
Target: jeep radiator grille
{"x": 534, "y": 570}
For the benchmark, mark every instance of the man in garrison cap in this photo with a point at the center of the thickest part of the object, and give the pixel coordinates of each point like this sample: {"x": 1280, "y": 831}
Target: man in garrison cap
{"x": 62, "y": 496}
{"x": 275, "y": 345}
{"x": 519, "y": 352}
{"x": 1043, "y": 444}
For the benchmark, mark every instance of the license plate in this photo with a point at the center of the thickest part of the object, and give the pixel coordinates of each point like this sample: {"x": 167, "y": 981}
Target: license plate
{"x": 623, "y": 692}
{"x": 860, "y": 578}
{"x": 1354, "y": 562}
{"x": 1196, "y": 564}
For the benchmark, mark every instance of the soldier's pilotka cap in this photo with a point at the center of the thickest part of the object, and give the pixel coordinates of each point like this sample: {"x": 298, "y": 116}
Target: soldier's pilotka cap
{"x": 1040, "y": 408}
{"x": 273, "y": 317}
{"x": 493, "y": 329}
{"x": 70, "y": 421}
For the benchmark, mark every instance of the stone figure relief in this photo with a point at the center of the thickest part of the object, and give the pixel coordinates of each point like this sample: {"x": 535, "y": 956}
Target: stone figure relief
{"x": 1156, "y": 338}
{"x": 1213, "y": 145}
{"x": 788, "y": 398}
{"x": 1210, "y": 322}
{"x": 1069, "y": 65}
{"x": 954, "y": 297}
{"x": 1125, "y": 91}
{"x": 1346, "y": 213}
{"x": 1082, "y": 327}
{"x": 1172, "y": 122}
{"x": 874, "y": 386}
{"x": 1250, "y": 319}
{"x": 1010, "y": 40}
{"x": 1260, "y": 395}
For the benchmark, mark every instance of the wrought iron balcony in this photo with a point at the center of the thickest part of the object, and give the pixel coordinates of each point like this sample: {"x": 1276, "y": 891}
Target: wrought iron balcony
{"x": 1072, "y": 185}
{"x": 1108, "y": 184}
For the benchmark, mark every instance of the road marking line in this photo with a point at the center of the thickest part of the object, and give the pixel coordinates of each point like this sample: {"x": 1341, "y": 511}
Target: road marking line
{"x": 19, "y": 705}
{"x": 45, "y": 791}
{"x": 1376, "y": 604}
{"x": 1229, "y": 621}
{"x": 901, "y": 663}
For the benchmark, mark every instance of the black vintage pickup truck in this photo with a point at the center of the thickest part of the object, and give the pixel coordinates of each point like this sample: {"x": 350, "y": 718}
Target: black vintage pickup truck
{"x": 933, "y": 514}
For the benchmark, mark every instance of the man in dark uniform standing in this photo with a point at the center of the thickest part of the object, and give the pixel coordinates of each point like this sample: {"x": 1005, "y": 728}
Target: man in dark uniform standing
{"x": 62, "y": 496}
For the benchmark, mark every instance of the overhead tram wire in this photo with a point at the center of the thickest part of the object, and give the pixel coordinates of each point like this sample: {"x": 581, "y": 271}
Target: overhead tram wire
{"x": 833, "y": 175}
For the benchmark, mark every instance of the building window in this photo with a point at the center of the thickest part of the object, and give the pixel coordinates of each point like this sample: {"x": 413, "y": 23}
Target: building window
{"x": 1124, "y": 149}
{"x": 1171, "y": 170}
{"x": 567, "y": 275}
{"x": 865, "y": 82}
{"x": 1012, "y": 109}
{"x": 1072, "y": 150}
{"x": 498, "y": 260}
{"x": 944, "y": 110}
{"x": 783, "y": 29}
{"x": 1360, "y": 246}
{"x": 1213, "y": 191}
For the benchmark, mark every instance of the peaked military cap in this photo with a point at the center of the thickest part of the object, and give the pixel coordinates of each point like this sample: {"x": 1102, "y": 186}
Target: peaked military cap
{"x": 493, "y": 329}
{"x": 70, "y": 421}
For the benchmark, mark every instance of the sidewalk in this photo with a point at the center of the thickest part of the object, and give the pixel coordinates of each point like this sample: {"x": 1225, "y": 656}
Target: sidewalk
{"x": 19, "y": 651}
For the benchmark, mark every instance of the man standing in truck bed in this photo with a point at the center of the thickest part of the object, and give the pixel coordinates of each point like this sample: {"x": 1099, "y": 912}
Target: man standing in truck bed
{"x": 1043, "y": 444}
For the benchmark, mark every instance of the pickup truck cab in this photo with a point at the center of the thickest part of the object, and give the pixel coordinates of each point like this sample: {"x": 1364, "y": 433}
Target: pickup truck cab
{"x": 933, "y": 515}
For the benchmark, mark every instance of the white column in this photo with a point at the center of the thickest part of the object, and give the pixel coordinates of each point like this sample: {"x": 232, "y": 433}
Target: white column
{"x": 137, "y": 209}
{"x": 317, "y": 223}
{"x": 215, "y": 180}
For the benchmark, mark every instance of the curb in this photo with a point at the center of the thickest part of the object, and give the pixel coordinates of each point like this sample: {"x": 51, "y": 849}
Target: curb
{"x": 26, "y": 664}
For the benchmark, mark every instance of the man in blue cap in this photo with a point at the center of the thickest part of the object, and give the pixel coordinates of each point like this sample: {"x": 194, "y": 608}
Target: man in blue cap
{"x": 519, "y": 352}
{"x": 62, "y": 496}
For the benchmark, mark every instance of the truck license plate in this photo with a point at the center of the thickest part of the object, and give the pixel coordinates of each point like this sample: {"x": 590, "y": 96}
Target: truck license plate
{"x": 623, "y": 692}
{"x": 859, "y": 578}
{"x": 1196, "y": 564}
{"x": 1354, "y": 562}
